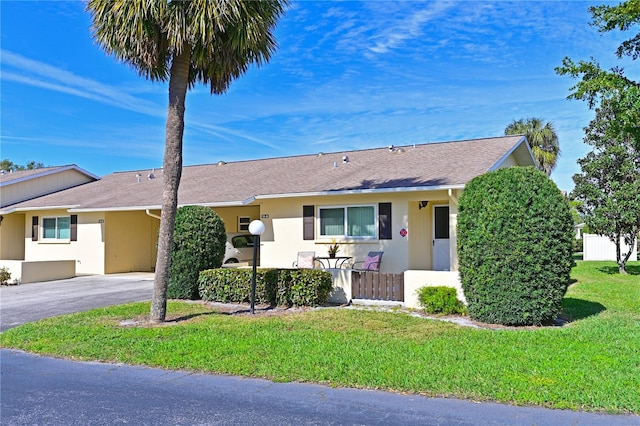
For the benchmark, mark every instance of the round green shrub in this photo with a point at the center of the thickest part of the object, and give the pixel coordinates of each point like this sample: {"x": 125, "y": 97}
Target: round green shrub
{"x": 198, "y": 243}
{"x": 515, "y": 240}
{"x": 440, "y": 300}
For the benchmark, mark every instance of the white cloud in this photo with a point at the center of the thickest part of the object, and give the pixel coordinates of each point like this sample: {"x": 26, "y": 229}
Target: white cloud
{"x": 39, "y": 74}
{"x": 409, "y": 28}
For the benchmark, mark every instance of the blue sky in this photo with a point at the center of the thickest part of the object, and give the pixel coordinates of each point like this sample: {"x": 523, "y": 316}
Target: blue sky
{"x": 347, "y": 75}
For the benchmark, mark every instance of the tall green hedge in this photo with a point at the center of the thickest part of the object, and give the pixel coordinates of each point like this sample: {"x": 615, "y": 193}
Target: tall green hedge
{"x": 515, "y": 237}
{"x": 198, "y": 243}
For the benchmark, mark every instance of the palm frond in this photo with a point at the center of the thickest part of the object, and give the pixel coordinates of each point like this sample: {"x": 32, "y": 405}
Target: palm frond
{"x": 225, "y": 36}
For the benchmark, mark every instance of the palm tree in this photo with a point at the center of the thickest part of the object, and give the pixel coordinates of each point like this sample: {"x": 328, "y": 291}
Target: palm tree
{"x": 542, "y": 138}
{"x": 185, "y": 42}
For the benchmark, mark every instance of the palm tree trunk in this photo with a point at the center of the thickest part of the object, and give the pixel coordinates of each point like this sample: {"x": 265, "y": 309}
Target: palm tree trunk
{"x": 172, "y": 171}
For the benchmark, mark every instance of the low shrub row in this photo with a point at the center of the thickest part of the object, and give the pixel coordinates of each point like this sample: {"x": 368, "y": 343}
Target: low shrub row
{"x": 276, "y": 287}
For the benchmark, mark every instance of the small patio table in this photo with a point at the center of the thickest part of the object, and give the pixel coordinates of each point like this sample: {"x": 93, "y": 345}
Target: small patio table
{"x": 337, "y": 261}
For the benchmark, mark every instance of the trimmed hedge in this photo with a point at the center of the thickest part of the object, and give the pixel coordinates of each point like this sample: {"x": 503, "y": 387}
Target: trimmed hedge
{"x": 276, "y": 287}
{"x": 440, "y": 300}
{"x": 515, "y": 240}
{"x": 198, "y": 243}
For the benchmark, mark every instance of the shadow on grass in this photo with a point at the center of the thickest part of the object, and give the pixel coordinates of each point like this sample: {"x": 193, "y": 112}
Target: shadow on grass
{"x": 231, "y": 309}
{"x": 613, "y": 270}
{"x": 577, "y": 309}
{"x": 172, "y": 319}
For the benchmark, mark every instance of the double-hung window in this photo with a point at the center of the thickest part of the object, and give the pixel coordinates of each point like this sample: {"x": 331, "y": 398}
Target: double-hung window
{"x": 56, "y": 228}
{"x": 348, "y": 221}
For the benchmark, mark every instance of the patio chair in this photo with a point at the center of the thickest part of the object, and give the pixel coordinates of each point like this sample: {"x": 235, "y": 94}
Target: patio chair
{"x": 370, "y": 263}
{"x": 306, "y": 259}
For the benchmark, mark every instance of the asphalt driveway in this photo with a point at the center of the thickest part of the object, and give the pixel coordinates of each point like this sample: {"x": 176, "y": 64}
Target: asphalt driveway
{"x": 30, "y": 302}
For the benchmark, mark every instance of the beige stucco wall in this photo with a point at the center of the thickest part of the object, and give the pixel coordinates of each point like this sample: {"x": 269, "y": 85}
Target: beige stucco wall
{"x": 12, "y": 237}
{"x": 31, "y": 272}
{"x": 283, "y": 236}
{"x": 414, "y": 280}
{"x": 87, "y": 252}
{"x": 230, "y": 216}
{"x": 131, "y": 239}
{"x": 37, "y": 186}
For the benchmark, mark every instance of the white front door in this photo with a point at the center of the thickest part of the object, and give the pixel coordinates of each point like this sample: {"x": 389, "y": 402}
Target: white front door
{"x": 441, "y": 255}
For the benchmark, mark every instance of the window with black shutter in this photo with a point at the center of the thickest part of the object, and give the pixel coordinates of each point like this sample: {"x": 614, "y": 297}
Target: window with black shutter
{"x": 308, "y": 231}
{"x": 384, "y": 221}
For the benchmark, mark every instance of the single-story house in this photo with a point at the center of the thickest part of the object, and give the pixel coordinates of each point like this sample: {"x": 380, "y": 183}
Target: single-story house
{"x": 398, "y": 199}
{"x": 24, "y": 185}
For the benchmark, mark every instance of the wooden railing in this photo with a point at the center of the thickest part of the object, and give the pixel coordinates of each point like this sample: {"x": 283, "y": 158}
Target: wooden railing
{"x": 377, "y": 286}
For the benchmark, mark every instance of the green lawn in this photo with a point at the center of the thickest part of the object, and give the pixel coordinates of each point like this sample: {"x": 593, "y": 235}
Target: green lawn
{"x": 593, "y": 363}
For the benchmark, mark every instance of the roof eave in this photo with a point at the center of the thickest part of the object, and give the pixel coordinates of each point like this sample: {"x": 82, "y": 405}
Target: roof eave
{"x": 150, "y": 207}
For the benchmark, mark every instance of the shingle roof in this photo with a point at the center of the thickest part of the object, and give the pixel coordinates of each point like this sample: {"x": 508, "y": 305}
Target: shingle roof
{"x": 424, "y": 166}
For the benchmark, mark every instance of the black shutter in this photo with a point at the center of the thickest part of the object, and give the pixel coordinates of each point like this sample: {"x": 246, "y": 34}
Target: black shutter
{"x": 308, "y": 231}
{"x": 74, "y": 227}
{"x": 34, "y": 228}
{"x": 384, "y": 221}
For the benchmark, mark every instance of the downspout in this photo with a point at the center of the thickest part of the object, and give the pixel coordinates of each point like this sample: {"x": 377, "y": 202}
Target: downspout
{"x": 453, "y": 196}
{"x": 453, "y": 224}
{"x": 152, "y": 215}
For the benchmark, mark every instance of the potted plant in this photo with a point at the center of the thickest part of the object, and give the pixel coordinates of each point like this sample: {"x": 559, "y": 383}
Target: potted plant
{"x": 333, "y": 249}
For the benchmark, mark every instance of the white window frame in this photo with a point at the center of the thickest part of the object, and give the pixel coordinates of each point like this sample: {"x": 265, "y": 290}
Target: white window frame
{"x": 57, "y": 229}
{"x": 344, "y": 236}
{"x": 243, "y": 223}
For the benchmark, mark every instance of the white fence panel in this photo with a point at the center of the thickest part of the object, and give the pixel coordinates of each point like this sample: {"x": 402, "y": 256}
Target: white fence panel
{"x": 597, "y": 247}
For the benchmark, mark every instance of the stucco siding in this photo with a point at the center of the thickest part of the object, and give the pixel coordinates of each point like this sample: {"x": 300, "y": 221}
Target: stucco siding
{"x": 283, "y": 237}
{"x": 87, "y": 251}
{"x": 230, "y": 216}
{"x": 414, "y": 280}
{"x": 420, "y": 224}
{"x": 12, "y": 237}
{"x": 131, "y": 241}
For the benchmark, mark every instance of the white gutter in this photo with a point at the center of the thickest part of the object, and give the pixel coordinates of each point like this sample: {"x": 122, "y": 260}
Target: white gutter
{"x": 155, "y": 207}
{"x": 33, "y": 209}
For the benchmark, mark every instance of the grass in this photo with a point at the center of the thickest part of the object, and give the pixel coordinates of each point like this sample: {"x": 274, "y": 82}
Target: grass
{"x": 593, "y": 363}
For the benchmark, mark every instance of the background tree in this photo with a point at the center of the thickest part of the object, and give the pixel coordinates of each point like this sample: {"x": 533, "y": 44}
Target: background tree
{"x": 542, "y": 138}
{"x": 183, "y": 42}
{"x": 597, "y": 84}
{"x": 615, "y": 131}
{"x": 609, "y": 185}
{"x": 9, "y": 166}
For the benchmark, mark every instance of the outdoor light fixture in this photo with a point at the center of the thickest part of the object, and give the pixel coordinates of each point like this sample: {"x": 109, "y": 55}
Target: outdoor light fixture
{"x": 422, "y": 205}
{"x": 256, "y": 228}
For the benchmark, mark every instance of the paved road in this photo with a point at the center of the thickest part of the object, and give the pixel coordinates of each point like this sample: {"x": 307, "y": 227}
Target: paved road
{"x": 37, "y": 390}
{"x": 40, "y": 390}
